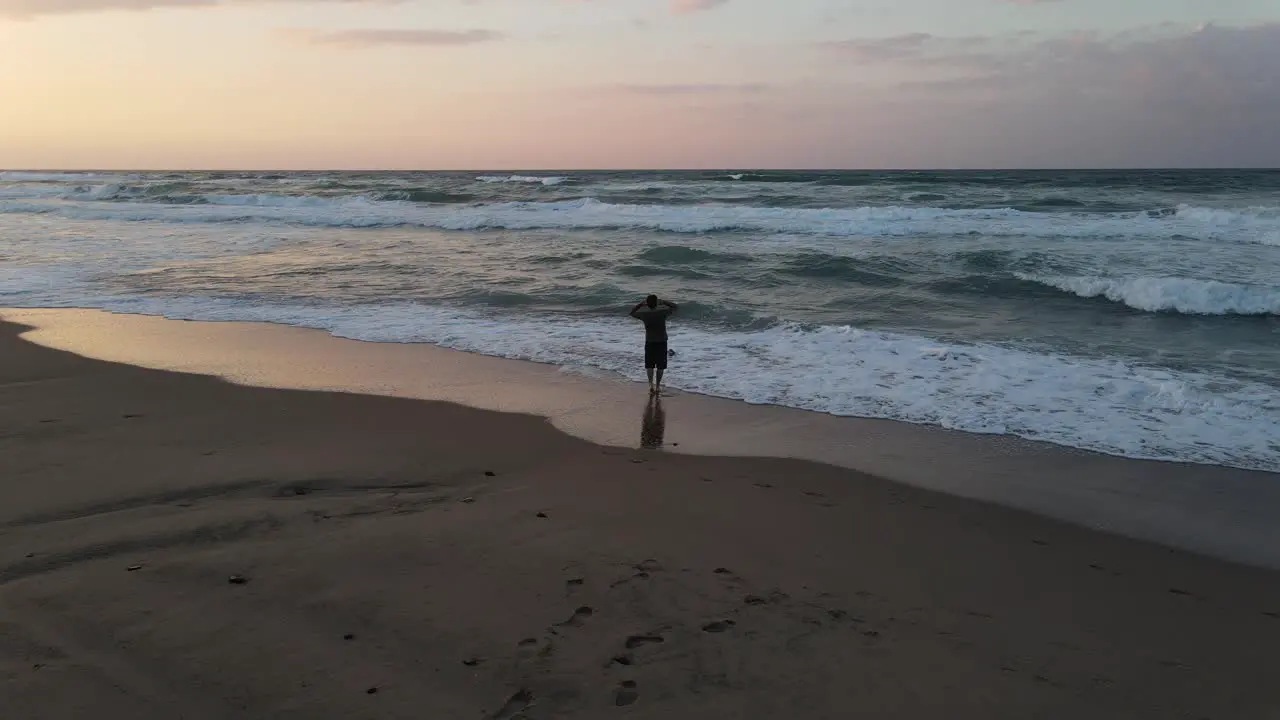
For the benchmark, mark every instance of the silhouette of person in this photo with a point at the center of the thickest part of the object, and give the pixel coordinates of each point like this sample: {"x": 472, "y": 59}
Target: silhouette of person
{"x": 654, "y": 312}
{"x": 654, "y": 424}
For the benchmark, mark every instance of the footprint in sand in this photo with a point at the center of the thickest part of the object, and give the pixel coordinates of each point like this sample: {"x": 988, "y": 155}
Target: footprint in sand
{"x": 642, "y": 575}
{"x": 776, "y": 596}
{"x": 529, "y": 647}
{"x": 516, "y": 704}
{"x": 729, "y": 576}
{"x": 579, "y": 616}
{"x": 636, "y": 641}
{"x": 838, "y": 615}
{"x": 626, "y": 693}
{"x": 718, "y": 626}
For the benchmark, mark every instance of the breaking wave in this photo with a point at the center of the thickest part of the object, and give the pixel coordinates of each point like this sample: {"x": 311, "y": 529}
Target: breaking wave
{"x": 554, "y": 180}
{"x": 1172, "y": 294}
{"x": 446, "y": 212}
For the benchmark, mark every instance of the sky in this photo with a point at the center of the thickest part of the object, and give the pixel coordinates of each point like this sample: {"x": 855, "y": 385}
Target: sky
{"x": 577, "y": 84}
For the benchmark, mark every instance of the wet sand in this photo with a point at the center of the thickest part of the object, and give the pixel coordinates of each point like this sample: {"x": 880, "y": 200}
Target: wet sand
{"x": 174, "y": 545}
{"x": 1223, "y": 512}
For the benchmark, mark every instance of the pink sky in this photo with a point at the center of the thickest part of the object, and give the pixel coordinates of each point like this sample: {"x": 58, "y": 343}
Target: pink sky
{"x": 428, "y": 84}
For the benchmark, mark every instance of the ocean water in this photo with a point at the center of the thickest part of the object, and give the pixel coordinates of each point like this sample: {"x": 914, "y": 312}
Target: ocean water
{"x": 1133, "y": 313}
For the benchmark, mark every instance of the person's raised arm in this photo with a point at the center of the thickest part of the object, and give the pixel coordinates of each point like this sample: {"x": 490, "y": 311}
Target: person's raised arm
{"x": 635, "y": 311}
{"x": 674, "y": 307}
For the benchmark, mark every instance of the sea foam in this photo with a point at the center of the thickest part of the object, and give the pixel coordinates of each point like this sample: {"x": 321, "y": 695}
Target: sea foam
{"x": 1188, "y": 296}
{"x": 553, "y": 180}
{"x": 591, "y": 214}
{"x": 1104, "y": 405}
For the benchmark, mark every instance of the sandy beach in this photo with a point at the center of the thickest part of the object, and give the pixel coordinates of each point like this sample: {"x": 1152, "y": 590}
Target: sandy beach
{"x": 177, "y": 546}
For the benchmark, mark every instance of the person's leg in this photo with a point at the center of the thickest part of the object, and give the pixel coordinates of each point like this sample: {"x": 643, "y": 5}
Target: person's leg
{"x": 660, "y": 362}
{"x": 651, "y": 362}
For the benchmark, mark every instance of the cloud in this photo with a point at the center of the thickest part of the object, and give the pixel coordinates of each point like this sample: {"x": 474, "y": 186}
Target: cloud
{"x": 877, "y": 50}
{"x": 378, "y": 37}
{"x": 684, "y": 7}
{"x": 1159, "y": 95}
{"x": 25, "y": 9}
{"x": 1184, "y": 67}
{"x": 690, "y": 89}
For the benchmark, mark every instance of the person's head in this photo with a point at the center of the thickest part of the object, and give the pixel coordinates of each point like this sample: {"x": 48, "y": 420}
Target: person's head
{"x": 651, "y": 301}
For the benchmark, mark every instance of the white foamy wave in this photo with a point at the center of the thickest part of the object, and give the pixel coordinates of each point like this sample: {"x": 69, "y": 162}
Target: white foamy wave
{"x": 288, "y": 201}
{"x": 20, "y": 191}
{"x": 592, "y": 214}
{"x": 1103, "y": 405}
{"x": 1188, "y": 296}
{"x": 23, "y": 176}
{"x": 1257, "y": 224}
{"x": 555, "y": 180}
{"x": 22, "y": 285}
{"x": 116, "y": 191}
{"x": 104, "y": 191}
{"x": 588, "y": 213}
{"x": 1224, "y": 216}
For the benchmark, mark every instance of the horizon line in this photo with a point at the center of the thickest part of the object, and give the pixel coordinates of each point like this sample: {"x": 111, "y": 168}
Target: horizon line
{"x": 730, "y": 169}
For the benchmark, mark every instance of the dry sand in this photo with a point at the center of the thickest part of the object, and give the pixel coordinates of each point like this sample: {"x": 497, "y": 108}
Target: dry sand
{"x": 411, "y": 559}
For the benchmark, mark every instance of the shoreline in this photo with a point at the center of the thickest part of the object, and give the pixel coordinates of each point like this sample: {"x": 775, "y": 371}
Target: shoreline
{"x": 1222, "y": 512}
{"x": 179, "y": 546}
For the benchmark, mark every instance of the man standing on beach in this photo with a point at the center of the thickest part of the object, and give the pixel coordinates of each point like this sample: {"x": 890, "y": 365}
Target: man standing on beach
{"x": 655, "y": 336}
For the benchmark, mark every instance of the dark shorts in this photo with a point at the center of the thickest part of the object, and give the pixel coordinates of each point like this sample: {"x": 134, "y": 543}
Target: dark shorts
{"x": 655, "y": 355}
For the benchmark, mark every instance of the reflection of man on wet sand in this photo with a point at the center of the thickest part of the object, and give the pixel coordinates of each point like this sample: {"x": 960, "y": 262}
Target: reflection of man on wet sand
{"x": 654, "y": 425}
